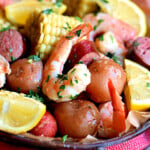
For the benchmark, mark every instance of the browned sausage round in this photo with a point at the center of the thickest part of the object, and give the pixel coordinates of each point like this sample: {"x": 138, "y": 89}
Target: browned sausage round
{"x": 141, "y": 51}
{"x": 101, "y": 72}
{"x": 77, "y": 118}
{"x": 25, "y": 75}
{"x": 12, "y": 44}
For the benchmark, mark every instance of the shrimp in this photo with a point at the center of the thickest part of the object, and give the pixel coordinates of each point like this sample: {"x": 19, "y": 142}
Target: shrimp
{"x": 112, "y": 115}
{"x": 4, "y": 69}
{"x": 115, "y": 31}
{"x": 55, "y": 85}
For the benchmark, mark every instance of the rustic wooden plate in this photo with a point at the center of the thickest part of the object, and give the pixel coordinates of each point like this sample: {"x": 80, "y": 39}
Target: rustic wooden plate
{"x": 56, "y": 143}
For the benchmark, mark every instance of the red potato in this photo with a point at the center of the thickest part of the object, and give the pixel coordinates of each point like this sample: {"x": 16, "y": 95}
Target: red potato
{"x": 101, "y": 72}
{"x": 25, "y": 76}
{"x": 12, "y": 45}
{"x": 46, "y": 127}
{"x": 77, "y": 118}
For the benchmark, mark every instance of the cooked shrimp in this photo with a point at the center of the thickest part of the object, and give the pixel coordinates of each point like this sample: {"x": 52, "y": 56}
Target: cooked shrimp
{"x": 112, "y": 115}
{"x": 4, "y": 69}
{"x": 110, "y": 43}
{"x": 118, "y": 30}
{"x": 55, "y": 85}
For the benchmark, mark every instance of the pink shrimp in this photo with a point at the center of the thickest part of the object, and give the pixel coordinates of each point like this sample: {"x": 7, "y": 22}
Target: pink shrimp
{"x": 55, "y": 85}
{"x": 116, "y": 31}
{"x": 4, "y": 69}
{"x": 4, "y": 3}
{"x": 112, "y": 115}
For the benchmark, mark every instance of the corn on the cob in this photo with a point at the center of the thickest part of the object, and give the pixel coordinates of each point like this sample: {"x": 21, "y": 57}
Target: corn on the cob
{"x": 4, "y": 23}
{"x": 44, "y": 31}
{"x": 84, "y": 7}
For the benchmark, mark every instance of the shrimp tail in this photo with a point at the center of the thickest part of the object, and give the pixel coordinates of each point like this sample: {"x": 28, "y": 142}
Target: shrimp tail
{"x": 118, "y": 109}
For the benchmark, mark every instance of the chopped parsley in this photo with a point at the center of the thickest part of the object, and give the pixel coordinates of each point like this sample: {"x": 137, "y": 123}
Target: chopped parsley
{"x": 34, "y": 95}
{"x": 78, "y": 33}
{"x": 75, "y": 55}
{"x": 69, "y": 37}
{"x": 4, "y": 29}
{"x": 47, "y": 11}
{"x": 80, "y": 62}
{"x": 48, "y": 77}
{"x": 58, "y": 94}
{"x": 13, "y": 58}
{"x": 95, "y": 27}
{"x": 10, "y": 50}
{"x": 85, "y": 74}
{"x": 100, "y": 21}
{"x": 58, "y": 3}
{"x": 73, "y": 70}
{"x": 112, "y": 38}
{"x": 104, "y": 1}
{"x": 71, "y": 82}
{"x": 101, "y": 38}
{"x": 40, "y": 0}
{"x": 18, "y": 89}
{"x": 76, "y": 81}
{"x": 64, "y": 138}
{"x": 148, "y": 84}
{"x": 34, "y": 57}
{"x": 62, "y": 77}
{"x": 72, "y": 97}
{"x": 68, "y": 26}
{"x": 136, "y": 44}
{"x": 89, "y": 106}
{"x": 62, "y": 87}
{"x": 113, "y": 57}
{"x": 78, "y": 18}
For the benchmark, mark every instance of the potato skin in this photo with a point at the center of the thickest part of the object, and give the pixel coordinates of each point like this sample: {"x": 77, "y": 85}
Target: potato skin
{"x": 25, "y": 76}
{"x": 101, "y": 71}
{"x": 77, "y": 118}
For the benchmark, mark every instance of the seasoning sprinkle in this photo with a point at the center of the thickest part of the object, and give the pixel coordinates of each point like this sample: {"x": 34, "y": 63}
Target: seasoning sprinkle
{"x": 77, "y": 18}
{"x": 101, "y": 38}
{"x": 78, "y": 33}
{"x": 47, "y": 11}
{"x": 62, "y": 87}
{"x": 64, "y": 138}
{"x": 48, "y": 77}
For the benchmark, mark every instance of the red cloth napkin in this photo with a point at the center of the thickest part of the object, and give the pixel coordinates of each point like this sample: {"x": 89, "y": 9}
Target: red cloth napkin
{"x": 137, "y": 143}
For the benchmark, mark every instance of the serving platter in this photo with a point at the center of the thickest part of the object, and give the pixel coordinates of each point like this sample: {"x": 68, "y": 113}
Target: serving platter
{"x": 28, "y": 140}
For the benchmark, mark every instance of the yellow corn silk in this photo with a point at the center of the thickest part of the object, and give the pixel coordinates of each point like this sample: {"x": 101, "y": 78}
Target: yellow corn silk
{"x": 44, "y": 31}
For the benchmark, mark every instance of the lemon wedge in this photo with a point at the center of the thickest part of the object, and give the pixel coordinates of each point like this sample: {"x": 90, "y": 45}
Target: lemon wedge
{"x": 19, "y": 114}
{"x": 19, "y": 12}
{"x": 126, "y": 11}
{"x": 137, "y": 89}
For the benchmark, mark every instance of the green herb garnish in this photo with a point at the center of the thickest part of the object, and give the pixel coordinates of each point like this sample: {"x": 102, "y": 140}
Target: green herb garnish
{"x": 13, "y": 58}
{"x": 47, "y": 11}
{"x": 64, "y": 138}
{"x": 34, "y": 57}
{"x": 78, "y": 33}
{"x": 77, "y": 18}
{"x": 148, "y": 84}
{"x": 58, "y": 3}
{"x": 62, "y": 87}
{"x": 58, "y": 94}
{"x": 104, "y": 1}
{"x": 101, "y": 38}
{"x": 48, "y": 77}
{"x": 4, "y": 29}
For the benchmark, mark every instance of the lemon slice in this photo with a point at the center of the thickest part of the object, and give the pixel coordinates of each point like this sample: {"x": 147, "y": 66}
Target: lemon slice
{"x": 126, "y": 11}
{"x": 137, "y": 90}
{"x": 19, "y": 114}
{"x": 19, "y": 12}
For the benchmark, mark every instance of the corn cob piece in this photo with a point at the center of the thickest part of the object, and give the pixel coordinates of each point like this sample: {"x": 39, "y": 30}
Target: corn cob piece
{"x": 4, "y": 23}
{"x": 85, "y": 7}
{"x": 44, "y": 31}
